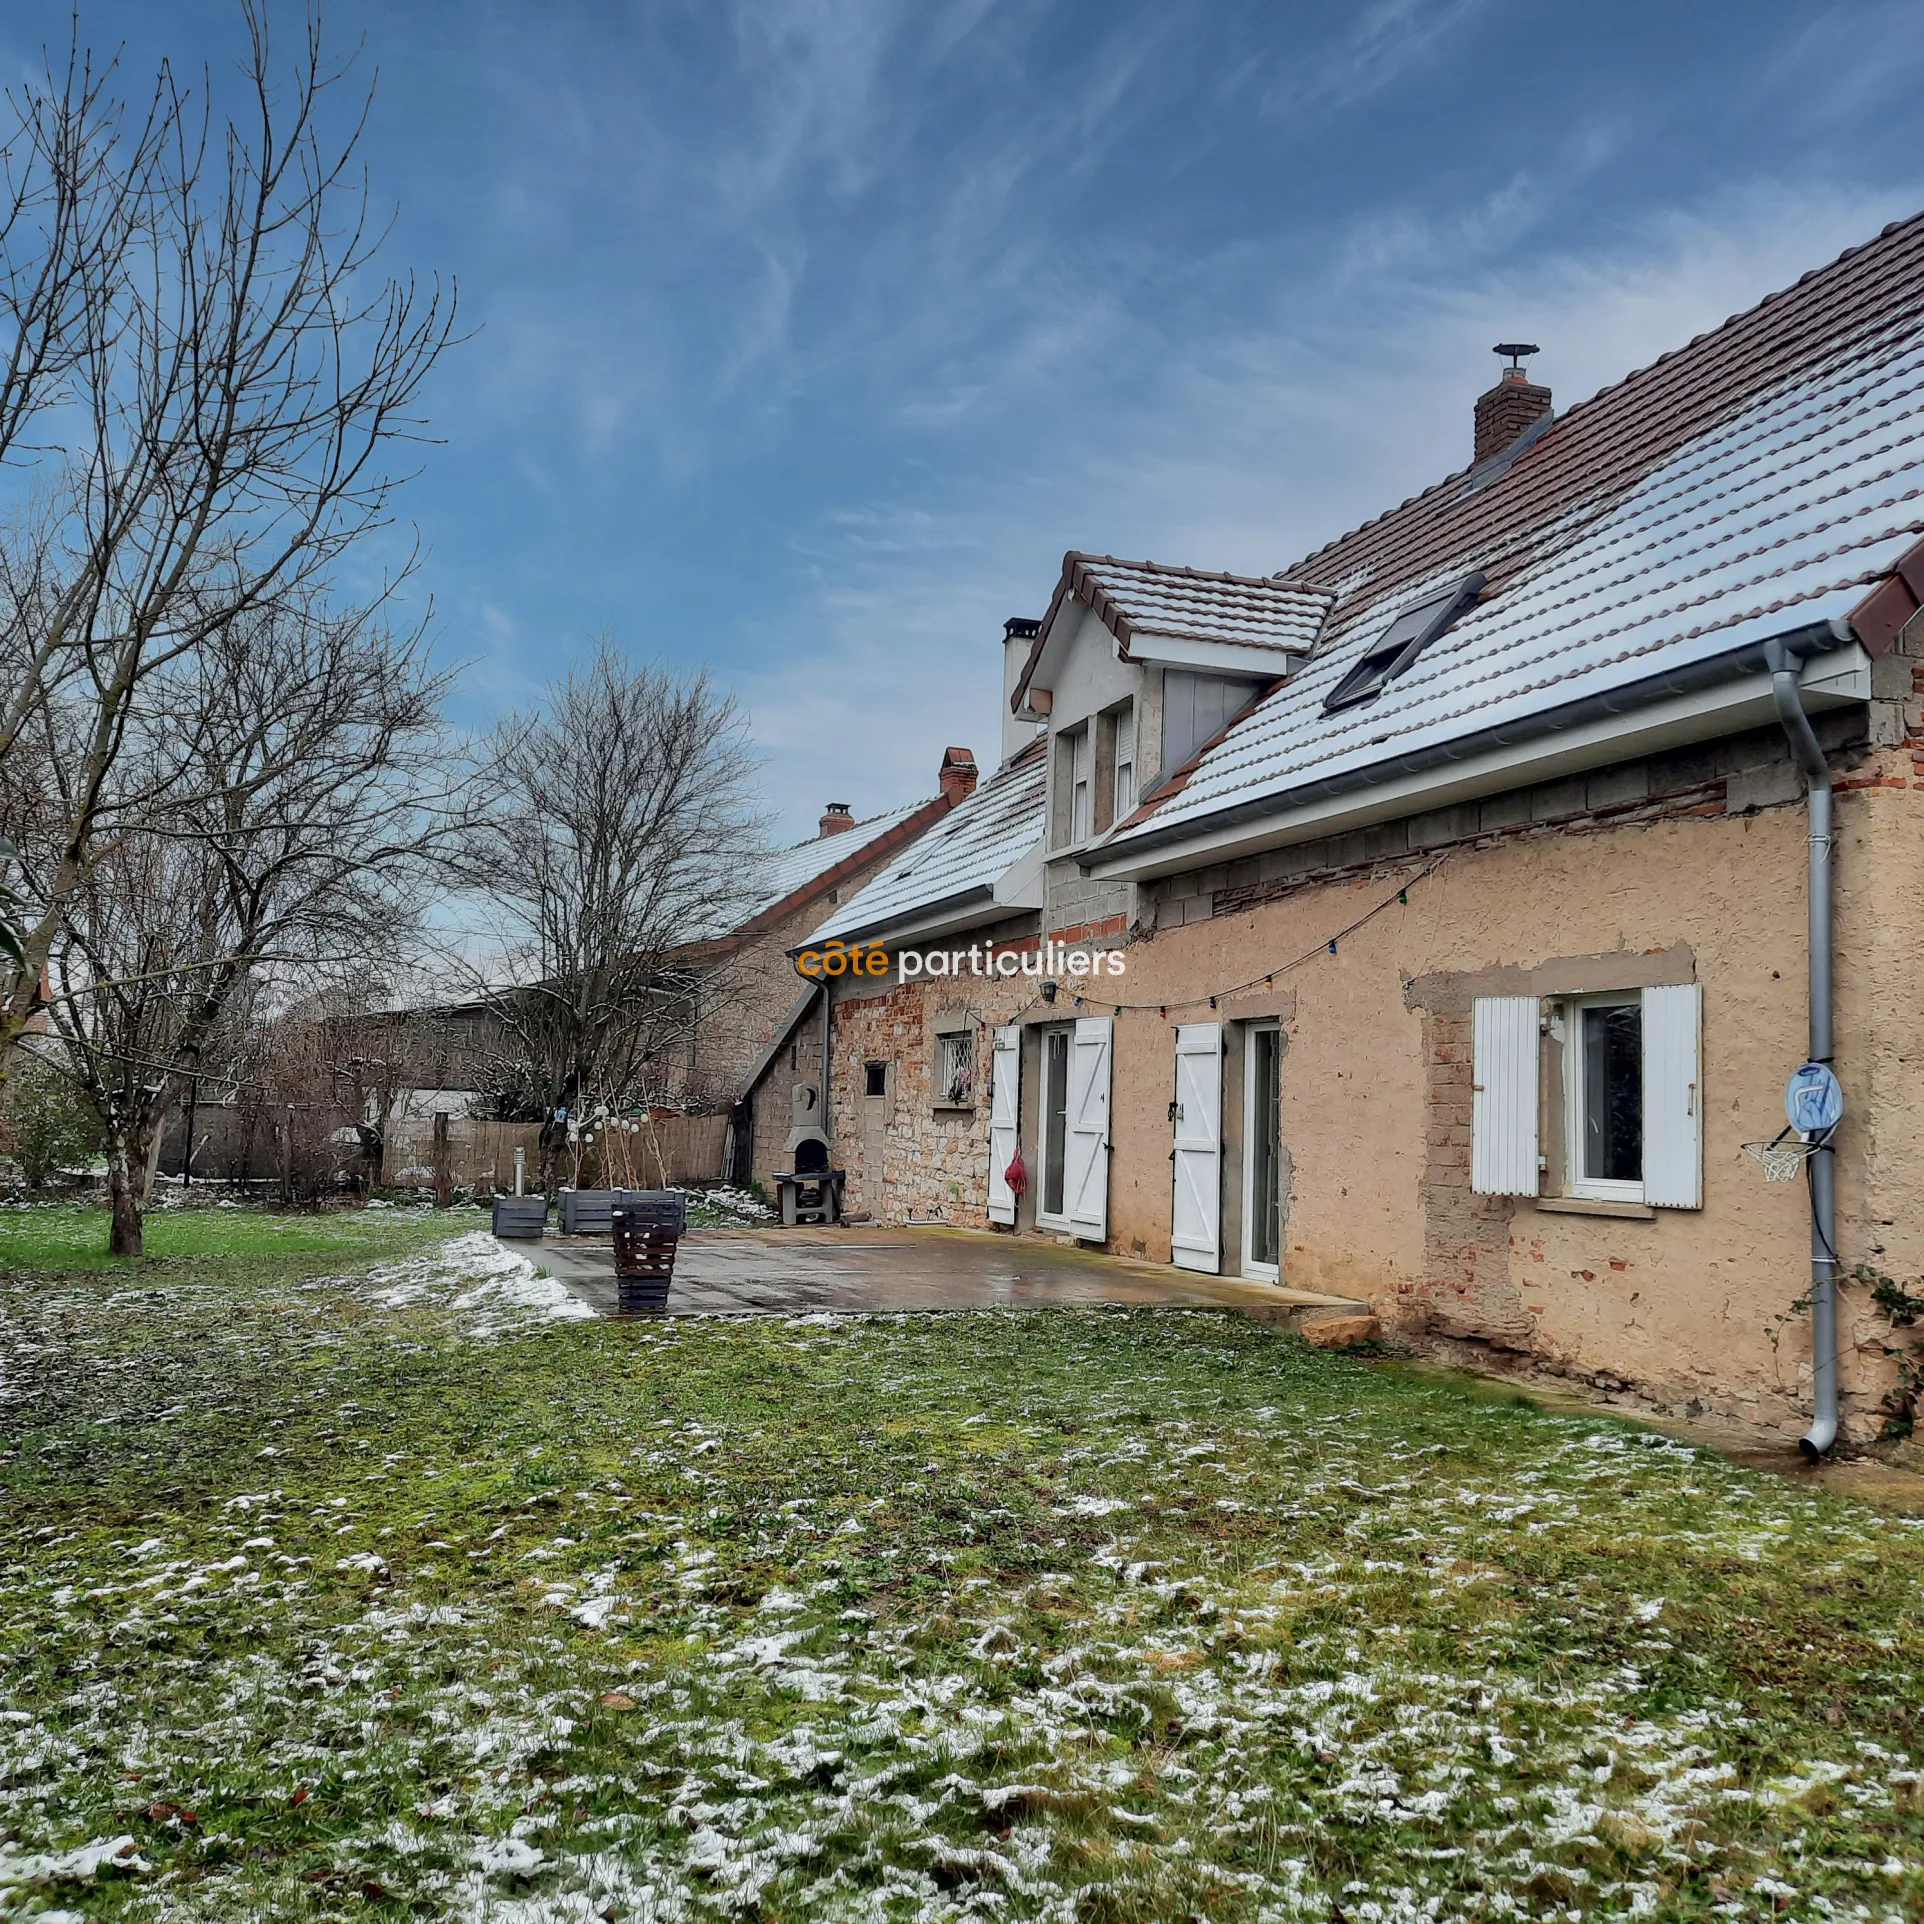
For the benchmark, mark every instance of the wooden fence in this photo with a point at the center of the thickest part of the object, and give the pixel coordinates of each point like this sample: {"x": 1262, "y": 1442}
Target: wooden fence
{"x": 238, "y": 1145}
{"x": 673, "y": 1149}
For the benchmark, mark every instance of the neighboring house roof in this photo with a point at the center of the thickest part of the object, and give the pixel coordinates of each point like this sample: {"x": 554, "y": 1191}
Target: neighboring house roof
{"x": 810, "y": 861}
{"x": 960, "y": 861}
{"x": 1755, "y": 483}
{"x": 796, "y": 875}
{"x": 1143, "y": 603}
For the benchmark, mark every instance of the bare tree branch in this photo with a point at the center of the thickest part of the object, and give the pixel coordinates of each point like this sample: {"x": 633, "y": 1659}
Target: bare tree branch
{"x": 222, "y": 377}
{"x": 623, "y": 825}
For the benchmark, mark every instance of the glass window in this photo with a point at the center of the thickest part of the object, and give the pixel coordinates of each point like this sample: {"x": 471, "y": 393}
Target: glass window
{"x": 1400, "y": 643}
{"x": 955, "y": 1070}
{"x": 1082, "y": 792}
{"x": 1055, "y": 1118}
{"x": 1125, "y": 764}
{"x": 1263, "y": 1199}
{"x": 1610, "y": 1129}
{"x": 1602, "y": 1047}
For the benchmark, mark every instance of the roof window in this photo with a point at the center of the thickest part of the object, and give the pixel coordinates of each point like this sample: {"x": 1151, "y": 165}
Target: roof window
{"x": 1401, "y": 642}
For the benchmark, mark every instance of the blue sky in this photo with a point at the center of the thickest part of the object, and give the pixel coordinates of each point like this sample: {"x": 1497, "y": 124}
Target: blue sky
{"x": 812, "y": 332}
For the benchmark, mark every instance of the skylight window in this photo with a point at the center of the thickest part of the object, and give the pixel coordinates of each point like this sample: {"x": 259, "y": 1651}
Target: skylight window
{"x": 1400, "y": 643}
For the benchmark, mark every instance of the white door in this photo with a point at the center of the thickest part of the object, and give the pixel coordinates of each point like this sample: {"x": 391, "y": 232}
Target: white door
{"x": 1086, "y": 1188}
{"x": 1005, "y": 1092}
{"x": 1196, "y": 1218}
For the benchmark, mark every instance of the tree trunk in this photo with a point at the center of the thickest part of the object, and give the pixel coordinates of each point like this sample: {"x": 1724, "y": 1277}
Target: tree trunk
{"x": 551, "y": 1142}
{"x": 123, "y": 1188}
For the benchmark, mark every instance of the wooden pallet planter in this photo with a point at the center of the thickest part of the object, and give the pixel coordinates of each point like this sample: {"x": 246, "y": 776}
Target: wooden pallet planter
{"x": 647, "y": 1226}
{"x": 521, "y": 1217}
{"x": 584, "y": 1212}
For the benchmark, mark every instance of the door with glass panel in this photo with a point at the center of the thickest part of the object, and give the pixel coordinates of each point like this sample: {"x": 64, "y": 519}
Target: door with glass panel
{"x": 1263, "y": 1151}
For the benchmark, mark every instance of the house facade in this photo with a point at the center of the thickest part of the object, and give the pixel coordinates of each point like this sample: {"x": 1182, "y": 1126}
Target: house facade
{"x": 743, "y": 1001}
{"x": 1460, "y": 877}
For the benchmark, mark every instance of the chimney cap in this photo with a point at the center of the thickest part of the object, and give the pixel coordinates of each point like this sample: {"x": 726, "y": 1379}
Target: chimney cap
{"x": 1021, "y": 628}
{"x": 1517, "y": 351}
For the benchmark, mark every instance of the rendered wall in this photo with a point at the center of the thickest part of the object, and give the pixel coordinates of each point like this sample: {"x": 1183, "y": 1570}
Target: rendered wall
{"x": 1702, "y": 880}
{"x": 1693, "y": 1307}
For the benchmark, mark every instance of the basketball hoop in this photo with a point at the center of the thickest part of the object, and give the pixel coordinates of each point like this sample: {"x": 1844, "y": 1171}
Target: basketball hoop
{"x": 1783, "y": 1156}
{"x": 1814, "y": 1105}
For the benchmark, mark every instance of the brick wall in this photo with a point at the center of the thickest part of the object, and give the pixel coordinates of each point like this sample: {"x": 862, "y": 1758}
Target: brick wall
{"x": 1466, "y": 1288}
{"x": 908, "y": 1157}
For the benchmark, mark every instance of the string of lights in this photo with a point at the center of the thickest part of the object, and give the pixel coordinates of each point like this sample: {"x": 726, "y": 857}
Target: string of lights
{"x": 1329, "y": 945}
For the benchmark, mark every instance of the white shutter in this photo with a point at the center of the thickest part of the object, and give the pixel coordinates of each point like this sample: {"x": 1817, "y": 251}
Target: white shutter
{"x": 1086, "y": 1190}
{"x": 1196, "y": 1218}
{"x": 1005, "y": 1090}
{"x": 1503, "y": 1107}
{"x": 1673, "y": 1107}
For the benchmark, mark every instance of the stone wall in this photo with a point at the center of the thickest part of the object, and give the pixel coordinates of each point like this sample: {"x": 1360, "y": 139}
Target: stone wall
{"x": 910, "y": 1157}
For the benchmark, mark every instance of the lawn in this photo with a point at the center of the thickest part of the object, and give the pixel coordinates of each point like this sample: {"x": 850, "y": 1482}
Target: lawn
{"x": 399, "y": 1593}
{"x": 243, "y": 1242}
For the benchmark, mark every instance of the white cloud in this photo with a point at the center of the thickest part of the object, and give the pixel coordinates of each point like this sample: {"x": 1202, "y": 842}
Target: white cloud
{"x": 1247, "y": 448}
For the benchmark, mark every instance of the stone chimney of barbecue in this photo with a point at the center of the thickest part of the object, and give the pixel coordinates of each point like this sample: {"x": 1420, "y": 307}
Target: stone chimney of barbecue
{"x": 957, "y": 774}
{"x": 837, "y": 819}
{"x": 1509, "y": 407}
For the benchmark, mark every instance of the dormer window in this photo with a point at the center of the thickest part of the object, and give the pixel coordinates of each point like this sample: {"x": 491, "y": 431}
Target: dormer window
{"x": 1397, "y": 648}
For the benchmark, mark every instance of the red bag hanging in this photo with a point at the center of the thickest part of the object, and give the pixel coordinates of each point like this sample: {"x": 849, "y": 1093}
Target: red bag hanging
{"x": 1017, "y": 1173}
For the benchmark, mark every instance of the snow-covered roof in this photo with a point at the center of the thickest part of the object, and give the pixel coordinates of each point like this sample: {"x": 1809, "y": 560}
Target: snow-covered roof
{"x": 1150, "y": 597}
{"x": 963, "y": 856}
{"x": 795, "y": 867}
{"x": 1759, "y": 481}
{"x": 1245, "y": 623}
{"x": 787, "y": 870}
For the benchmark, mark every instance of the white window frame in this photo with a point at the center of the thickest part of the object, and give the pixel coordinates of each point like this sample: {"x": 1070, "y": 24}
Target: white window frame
{"x": 1261, "y": 1272}
{"x": 1125, "y": 775}
{"x": 1566, "y": 1025}
{"x": 1082, "y": 785}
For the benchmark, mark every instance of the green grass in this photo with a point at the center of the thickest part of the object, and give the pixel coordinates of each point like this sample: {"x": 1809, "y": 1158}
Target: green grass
{"x": 242, "y": 1241}
{"x": 387, "y": 1597}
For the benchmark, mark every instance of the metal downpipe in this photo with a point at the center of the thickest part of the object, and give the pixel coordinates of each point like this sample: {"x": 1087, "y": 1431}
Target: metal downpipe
{"x": 1809, "y": 756}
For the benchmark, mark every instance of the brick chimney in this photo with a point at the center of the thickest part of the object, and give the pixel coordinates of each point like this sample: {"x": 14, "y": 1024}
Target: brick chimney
{"x": 957, "y": 774}
{"x": 1508, "y": 408}
{"x": 837, "y": 819}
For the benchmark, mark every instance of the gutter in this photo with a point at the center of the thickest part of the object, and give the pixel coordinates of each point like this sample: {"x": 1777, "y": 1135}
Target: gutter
{"x": 1690, "y": 678}
{"x": 1809, "y": 756}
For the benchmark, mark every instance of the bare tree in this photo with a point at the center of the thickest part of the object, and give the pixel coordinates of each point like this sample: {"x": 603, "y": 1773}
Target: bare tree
{"x": 624, "y": 825}
{"x": 218, "y": 377}
{"x": 291, "y": 851}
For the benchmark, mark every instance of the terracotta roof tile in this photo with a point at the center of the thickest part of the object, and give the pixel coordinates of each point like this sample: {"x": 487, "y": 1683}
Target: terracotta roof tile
{"x": 1756, "y": 480}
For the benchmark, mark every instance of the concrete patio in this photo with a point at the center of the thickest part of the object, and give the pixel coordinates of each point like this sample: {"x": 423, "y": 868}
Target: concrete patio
{"x": 779, "y": 1272}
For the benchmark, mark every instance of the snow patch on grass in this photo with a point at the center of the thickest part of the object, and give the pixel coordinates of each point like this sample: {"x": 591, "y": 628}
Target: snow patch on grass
{"x": 494, "y": 1289}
